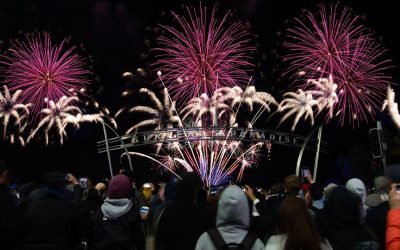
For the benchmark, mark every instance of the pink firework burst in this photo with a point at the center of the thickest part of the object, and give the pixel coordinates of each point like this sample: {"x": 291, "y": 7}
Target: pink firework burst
{"x": 318, "y": 45}
{"x": 361, "y": 83}
{"x": 42, "y": 70}
{"x": 203, "y": 54}
{"x": 335, "y": 45}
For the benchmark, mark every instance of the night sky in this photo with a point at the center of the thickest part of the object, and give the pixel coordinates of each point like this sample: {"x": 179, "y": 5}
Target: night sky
{"x": 116, "y": 37}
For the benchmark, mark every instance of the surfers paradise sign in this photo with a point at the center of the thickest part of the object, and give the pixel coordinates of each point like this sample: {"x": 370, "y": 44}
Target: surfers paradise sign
{"x": 209, "y": 133}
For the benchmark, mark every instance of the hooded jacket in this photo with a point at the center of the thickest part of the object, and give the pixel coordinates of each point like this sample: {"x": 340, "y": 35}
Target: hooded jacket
{"x": 233, "y": 220}
{"x": 117, "y": 225}
{"x": 182, "y": 221}
{"x": 357, "y": 186}
{"x": 115, "y": 208}
{"x": 343, "y": 217}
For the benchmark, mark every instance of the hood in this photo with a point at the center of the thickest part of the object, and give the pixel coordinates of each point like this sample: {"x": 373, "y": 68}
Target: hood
{"x": 115, "y": 208}
{"x": 233, "y": 208}
{"x": 343, "y": 208}
{"x": 357, "y": 186}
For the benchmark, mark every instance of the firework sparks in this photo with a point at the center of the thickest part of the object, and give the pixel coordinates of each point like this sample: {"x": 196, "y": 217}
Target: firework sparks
{"x": 11, "y": 111}
{"x": 300, "y": 104}
{"x": 42, "y": 70}
{"x": 392, "y": 106}
{"x": 203, "y": 54}
{"x": 333, "y": 44}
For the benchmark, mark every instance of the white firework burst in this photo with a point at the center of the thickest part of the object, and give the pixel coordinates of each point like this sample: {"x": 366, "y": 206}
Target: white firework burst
{"x": 208, "y": 111}
{"x": 15, "y": 113}
{"x": 162, "y": 115}
{"x": 392, "y": 106}
{"x": 60, "y": 114}
{"x": 325, "y": 90}
{"x": 236, "y": 97}
{"x": 300, "y": 104}
{"x": 249, "y": 97}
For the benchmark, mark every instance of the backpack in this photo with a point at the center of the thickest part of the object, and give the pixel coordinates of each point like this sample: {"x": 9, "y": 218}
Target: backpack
{"x": 220, "y": 244}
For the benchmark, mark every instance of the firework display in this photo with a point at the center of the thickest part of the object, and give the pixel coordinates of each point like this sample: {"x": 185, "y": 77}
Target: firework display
{"x": 42, "y": 70}
{"x": 44, "y": 89}
{"x": 203, "y": 54}
{"x": 201, "y": 85}
{"x": 333, "y": 44}
{"x": 214, "y": 160}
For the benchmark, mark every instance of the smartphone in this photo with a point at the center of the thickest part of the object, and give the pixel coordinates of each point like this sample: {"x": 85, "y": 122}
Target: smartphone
{"x": 306, "y": 172}
{"x": 83, "y": 182}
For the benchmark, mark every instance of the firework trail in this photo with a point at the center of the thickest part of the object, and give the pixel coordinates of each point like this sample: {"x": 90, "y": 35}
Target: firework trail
{"x": 333, "y": 44}
{"x": 214, "y": 161}
{"x": 42, "y": 70}
{"x": 203, "y": 54}
{"x": 11, "y": 111}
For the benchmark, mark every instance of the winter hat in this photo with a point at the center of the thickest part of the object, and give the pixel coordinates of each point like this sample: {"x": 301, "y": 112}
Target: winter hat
{"x": 119, "y": 187}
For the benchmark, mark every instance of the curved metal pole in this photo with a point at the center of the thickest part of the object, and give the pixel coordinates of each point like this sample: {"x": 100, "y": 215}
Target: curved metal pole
{"x": 108, "y": 150}
{"x": 317, "y": 153}
{"x": 302, "y": 150}
{"x": 122, "y": 142}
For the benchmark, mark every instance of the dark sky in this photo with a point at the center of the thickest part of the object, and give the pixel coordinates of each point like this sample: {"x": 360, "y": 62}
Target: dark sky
{"x": 117, "y": 35}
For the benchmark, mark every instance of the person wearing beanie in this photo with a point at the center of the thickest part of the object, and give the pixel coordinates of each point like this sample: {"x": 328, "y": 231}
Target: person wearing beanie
{"x": 117, "y": 225}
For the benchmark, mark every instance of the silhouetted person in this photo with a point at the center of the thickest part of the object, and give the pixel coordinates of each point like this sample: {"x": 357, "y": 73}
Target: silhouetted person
{"x": 182, "y": 221}
{"x": 50, "y": 221}
{"x": 8, "y": 218}
{"x": 117, "y": 225}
